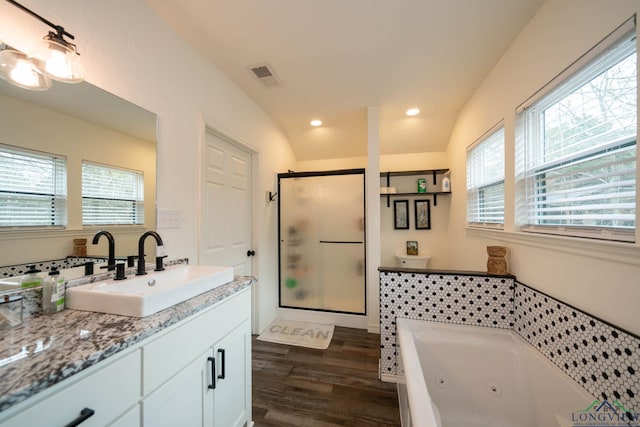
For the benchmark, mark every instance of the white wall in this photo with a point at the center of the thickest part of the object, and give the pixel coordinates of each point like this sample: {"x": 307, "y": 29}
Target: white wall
{"x": 433, "y": 242}
{"x": 599, "y": 278}
{"x": 331, "y": 164}
{"x": 127, "y": 50}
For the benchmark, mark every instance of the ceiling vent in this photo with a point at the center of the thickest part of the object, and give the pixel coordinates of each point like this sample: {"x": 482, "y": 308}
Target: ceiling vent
{"x": 265, "y": 74}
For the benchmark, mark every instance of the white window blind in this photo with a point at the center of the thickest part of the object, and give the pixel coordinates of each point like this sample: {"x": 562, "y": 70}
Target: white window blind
{"x": 33, "y": 188}
{"x": 485, "y": 180}
{"x": 111, "y": 196}
{"x": 577, "y": 149}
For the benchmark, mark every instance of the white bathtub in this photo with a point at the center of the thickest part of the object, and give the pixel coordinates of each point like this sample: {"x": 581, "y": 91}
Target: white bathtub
{"x": 465, "y": 376}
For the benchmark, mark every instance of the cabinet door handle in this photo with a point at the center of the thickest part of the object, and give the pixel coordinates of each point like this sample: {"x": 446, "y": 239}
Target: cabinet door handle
{"x": 84, "y": 414}
{"x": 213, "y": 372}
{"x": 221, "y": 351}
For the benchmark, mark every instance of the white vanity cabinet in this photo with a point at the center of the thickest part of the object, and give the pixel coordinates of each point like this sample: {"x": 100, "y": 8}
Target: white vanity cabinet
{"x": 165, "y": 380}
{"x": 211, "y": 389}
{"x": 109, "y": 389}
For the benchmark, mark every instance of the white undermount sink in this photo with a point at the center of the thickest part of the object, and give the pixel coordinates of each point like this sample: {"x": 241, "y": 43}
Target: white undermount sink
{"x": 140, "y": 296}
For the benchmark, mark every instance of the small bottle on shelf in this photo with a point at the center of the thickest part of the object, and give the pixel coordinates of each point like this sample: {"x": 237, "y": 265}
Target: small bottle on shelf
{"x": 446, "y": 184}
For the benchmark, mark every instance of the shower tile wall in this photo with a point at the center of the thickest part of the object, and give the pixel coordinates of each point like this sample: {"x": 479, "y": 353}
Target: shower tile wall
{"x": 604, "y": 360}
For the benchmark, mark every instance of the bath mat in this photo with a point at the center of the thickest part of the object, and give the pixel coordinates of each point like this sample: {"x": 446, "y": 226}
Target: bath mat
{"x": 302, "y": 334}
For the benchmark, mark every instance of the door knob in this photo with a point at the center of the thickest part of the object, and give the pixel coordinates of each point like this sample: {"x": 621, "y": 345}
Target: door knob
{"x": 251, "y": 253}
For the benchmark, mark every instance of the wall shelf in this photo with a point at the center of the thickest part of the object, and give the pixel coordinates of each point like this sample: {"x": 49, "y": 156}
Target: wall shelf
{"x": 428, "y": 172}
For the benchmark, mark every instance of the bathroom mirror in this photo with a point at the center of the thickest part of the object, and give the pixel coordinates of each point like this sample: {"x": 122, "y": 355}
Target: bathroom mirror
{"x": 81, "y": 122}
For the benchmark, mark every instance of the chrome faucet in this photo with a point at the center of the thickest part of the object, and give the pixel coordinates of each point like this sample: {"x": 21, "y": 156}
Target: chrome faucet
{"x": 141, "y": 269}
{"x": 111, "y": 264}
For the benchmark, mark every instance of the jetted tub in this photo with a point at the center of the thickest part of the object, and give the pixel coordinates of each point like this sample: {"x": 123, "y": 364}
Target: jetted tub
{"x": 466, "y": 376}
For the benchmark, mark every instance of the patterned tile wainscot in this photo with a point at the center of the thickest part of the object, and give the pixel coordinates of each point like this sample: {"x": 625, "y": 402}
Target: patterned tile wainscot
{"x": 603, "y": 359}
{"x": 45, "y": 266}
{"x": 465, "y": 298}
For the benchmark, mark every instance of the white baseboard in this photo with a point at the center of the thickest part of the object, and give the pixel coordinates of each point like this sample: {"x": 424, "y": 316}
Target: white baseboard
{"x": 389, "y": 378}
{"x": 374, "y": 328}
{"x": 338, "y": 319}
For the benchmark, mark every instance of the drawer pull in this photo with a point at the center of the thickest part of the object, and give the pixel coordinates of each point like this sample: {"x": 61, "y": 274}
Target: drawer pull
{"x": 213, "y": 372}
{"x": 84, "y": 415}
{"x": 221, "y": 351}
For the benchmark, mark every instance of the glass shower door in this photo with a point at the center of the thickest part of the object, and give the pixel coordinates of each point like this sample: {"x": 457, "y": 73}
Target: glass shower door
{"x": 322, "y": 246}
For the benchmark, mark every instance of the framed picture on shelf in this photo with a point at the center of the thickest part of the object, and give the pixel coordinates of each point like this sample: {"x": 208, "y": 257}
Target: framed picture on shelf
{"x": 401, "y": 214}
{"x": 423, "y": 214}
{"x": 412, "y": 247}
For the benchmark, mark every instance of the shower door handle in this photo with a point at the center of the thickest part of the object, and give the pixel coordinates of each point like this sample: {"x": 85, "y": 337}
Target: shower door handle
{"x": 251, "y": 253}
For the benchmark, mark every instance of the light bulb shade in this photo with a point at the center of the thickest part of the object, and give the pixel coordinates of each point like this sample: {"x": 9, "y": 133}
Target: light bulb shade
{"x": 18, "y": 70}
{"x": 59, "y": 60}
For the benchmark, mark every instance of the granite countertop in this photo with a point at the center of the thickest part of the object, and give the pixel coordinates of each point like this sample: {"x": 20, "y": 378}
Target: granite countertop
{"x": 45, "y": 350}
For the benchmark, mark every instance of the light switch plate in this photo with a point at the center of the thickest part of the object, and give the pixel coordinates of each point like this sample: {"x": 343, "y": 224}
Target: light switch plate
{"x": 169, "y": 219}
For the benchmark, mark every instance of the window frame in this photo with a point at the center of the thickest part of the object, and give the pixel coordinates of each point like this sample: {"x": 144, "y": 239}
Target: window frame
{"x": 57, "y": 194}
{"x": 529, "y": 130}
{"x": 496, "y": 134}
{"x": 137, "y": 211}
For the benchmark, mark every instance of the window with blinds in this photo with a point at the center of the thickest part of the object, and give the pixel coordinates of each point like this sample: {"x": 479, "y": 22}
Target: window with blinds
{"x": 33, "y": 189}
{"x": 577, "y": 149}
{"x": 111, "y": 196}
{"x": 485, "y": 180}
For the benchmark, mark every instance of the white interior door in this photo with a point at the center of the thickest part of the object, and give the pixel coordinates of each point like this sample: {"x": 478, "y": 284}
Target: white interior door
{"x": 226, "y": 216}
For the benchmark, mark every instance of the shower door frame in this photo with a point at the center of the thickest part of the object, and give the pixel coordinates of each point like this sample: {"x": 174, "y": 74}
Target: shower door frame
{"x": 290, "y": 174}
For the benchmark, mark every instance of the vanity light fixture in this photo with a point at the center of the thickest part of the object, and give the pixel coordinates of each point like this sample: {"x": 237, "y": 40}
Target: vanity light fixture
{"x": 413, "y": 112}
{"x": 57, "y": 59}
{"x": 316, "y": 122}
{"x": 17, "y": 69}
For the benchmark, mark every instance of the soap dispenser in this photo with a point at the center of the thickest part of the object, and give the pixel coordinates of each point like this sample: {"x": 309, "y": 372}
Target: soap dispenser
{"x": 53, "y": 293}
{"x": 31, "y": 278}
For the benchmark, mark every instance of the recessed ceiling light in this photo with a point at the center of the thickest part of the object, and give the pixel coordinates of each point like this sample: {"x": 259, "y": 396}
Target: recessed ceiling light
{"x": 413, "y": 112}
{"x": 316, "y": 122}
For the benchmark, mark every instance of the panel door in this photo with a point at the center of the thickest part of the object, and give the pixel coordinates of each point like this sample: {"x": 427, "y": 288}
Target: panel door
{"x": 183, "y": 400}
{"x": 226, "y": 199}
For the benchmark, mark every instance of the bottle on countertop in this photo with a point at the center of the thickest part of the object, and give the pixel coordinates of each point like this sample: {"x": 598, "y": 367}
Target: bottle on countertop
{"x": 53, "y": 293}
{"x": 31, "y": 278}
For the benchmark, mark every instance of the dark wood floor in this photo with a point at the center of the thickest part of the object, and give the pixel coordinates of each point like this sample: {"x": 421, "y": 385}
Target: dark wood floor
{"x": 339, "y": 386}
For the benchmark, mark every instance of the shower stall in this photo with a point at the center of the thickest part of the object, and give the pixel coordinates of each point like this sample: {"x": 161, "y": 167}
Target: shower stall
{"x": 321, "y": 221}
